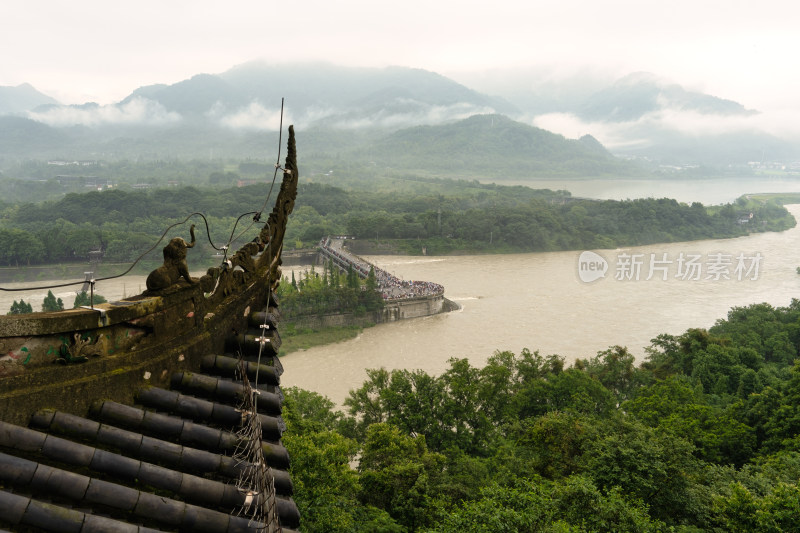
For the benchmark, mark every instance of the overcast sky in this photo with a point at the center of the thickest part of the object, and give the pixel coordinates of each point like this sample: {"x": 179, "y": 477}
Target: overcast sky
{"x": 101, "y": 50}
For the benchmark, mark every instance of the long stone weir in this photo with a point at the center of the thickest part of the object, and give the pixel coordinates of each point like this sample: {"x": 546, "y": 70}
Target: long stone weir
{"x": 391, "y": 287}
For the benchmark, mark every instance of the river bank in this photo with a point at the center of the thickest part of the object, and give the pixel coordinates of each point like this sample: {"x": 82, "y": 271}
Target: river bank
{"x": 303, "y": 332}
{"x": 68, "y": 271}
{"x": 294, "y": 339}
{"x": 539, "y": 301}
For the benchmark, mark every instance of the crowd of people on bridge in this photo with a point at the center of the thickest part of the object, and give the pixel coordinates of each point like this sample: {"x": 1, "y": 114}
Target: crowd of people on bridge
{"x": 390, "y": 286}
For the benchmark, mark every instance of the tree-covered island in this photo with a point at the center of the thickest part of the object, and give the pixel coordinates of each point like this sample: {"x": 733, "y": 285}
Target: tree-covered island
{"x": 404, "y": 215}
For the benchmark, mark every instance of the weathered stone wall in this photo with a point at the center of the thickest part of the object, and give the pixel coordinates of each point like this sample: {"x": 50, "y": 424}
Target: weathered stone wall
{"x": 397, "y": 310}
{"x": 335, "y": 320}
{"x": 70, "y": 359}
{"x": 149, "y": 357}
{"x": 412, "y": 308}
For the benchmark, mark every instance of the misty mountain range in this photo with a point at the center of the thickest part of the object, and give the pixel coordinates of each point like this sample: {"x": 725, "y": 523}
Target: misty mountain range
{"x": 387, "y": 116}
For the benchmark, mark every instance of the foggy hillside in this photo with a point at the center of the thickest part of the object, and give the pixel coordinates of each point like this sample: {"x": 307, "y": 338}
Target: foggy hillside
{"x": 356, "y": 111}
{"x": 319, "y": 95}
{"x": 634, "y": 96}
{"x": 22, "y": 98}
{"x": 642, "y": 115}
{"x": 494, "y": 147}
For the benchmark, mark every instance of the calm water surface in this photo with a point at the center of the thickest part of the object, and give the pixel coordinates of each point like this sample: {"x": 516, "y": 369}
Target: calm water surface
{"x": 537, "y": 301}
{"x": 708, "y": 191}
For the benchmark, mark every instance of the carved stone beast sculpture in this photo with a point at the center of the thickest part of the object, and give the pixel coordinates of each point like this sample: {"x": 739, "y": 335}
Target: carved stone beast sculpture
{"x": 174, "y": 266}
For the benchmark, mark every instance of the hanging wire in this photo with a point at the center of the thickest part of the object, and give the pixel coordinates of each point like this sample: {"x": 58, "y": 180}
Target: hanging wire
{"x": 265, "y": 326}
{"x": 135, "y": 262}
{"x": 233, "y": 238}
{"x": 255, "y": 480}
{"x": 257, "y": 214}
{"x": 55, "y": 286}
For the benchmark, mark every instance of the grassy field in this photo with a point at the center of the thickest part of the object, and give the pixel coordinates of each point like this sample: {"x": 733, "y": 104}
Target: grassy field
{"x": 294, "y": 339}
{"x": 784, "y": 198}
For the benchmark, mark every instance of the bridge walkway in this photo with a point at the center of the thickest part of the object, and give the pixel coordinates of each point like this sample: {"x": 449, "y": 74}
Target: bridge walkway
{"x": 390, "y": 286}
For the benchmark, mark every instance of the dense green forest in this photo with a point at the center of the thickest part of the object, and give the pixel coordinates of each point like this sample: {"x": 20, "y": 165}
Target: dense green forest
{"x": 480, "y": 146}
{"x": 332, "y": 291}
{"x": 440, "y": 216}
{"x": 314, "y": 293}
{"x": 494, "y": 145}
{"x": 701, "y": 436}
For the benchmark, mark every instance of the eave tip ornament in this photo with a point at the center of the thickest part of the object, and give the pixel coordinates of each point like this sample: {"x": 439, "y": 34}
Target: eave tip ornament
{"x": 174, "y": 267}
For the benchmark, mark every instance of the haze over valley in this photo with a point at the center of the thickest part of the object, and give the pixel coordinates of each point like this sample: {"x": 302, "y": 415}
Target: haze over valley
{"x": 602, "y": 195}
{"x": 408, "y": 119}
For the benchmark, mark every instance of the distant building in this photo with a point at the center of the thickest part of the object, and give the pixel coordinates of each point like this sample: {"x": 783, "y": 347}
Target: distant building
{"x": 65, "y": 163}
{"x": 90, "y": 182}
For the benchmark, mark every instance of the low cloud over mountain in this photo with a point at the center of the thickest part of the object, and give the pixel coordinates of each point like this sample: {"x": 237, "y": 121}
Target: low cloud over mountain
{"x": 135, "y": 111}
{"x": 637, "y": 115}
{"x": 319, "y": 95}
{"x": 21, "y": 99}
{"x": 643, "y": 115}
{"x": 642, "y": 93}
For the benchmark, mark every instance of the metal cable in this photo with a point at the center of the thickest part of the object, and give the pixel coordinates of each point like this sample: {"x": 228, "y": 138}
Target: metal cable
{"x": 224, "y": 249}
